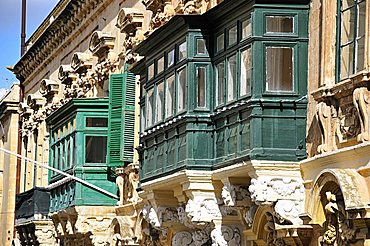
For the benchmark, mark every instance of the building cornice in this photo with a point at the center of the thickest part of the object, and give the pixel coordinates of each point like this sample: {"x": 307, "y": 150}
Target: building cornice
{"x": 50, "y": 37}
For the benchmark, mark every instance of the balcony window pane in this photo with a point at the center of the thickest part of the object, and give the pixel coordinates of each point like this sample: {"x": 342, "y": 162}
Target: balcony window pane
{"x": 69, "y": 153}
{"x": 170, "y": 95}
{"x": 159, "y": 102}
{"x": 74, "y": 150}
{"x": 181, "y": 89}
{"x": 231, "y": 78}
{"x": 279, "y": 24}
{"x": 245, "y": 73}
{"x": 348, "y": 26}
{"x": 246, "y": 28}
{"x": 62, "y": 156}
{"x": 95, "y": 149}
{"x": 151, "y": 71}
{"x": 182, "y": 51}
{"x": 171, "y": 58}
{"x": 220, "y": 89}
{"x": 149, "y": 108}
{"x": 220, "y": 43}
{"x": 233, "y": 35}
{"x": 347, "y": 3}
{"x": 360, "y": 54}
{"x": 201, "y": 46}
{"x": 96, "y": 122}
{"x": 201, "y": 82}
{"x": 142, "y": 119}
{"x": 346, "y": 61}
{"x": 160, "y": 65}
{"x": 279, "y": 69}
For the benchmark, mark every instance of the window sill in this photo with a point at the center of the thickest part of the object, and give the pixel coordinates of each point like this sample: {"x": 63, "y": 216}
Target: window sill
{"x": 343, "y": 88}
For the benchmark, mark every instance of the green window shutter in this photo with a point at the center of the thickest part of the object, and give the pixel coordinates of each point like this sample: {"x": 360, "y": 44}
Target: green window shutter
{"x": 121, "y": 118}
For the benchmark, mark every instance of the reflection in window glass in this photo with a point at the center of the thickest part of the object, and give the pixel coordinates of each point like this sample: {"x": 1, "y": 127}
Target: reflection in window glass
{"x": 246, "y": 28}
{"x": 151, "y": 71}
{"x": 181, "y": 89}
{"x": 346, "y": 61}
{"x": 96, "y": 122}
{"x": 74, "y": 150}
{"x": 201, "y": 82}
{"x": 95, "y": 149}
{"x": 201, "y": 46}
{"x": 62, "y": 156}
{"x": 69, "y": 154}
{"x": 171, "y": 58}
{"x": 149, "y": 108}
{"x": 279, "y": 69}
{"x": 170, "y": 95}
{"x": 182, "y": 51}
{"x": 279, "y": 24}
{"x": 160, "y": 65}
{"x": 360, "y": 47}
{"x": 220, "y": 70}
{"x": 233, "y": 35}
{"x": 142, "y": 119}
{"x": 220, "y": 42}
{"x": 159, "y": 102}
{"x": 231, "y": 78}
{"x": 245, "y": 73}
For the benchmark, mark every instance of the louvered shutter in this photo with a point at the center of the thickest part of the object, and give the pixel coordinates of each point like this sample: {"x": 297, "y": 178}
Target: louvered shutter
{"x": 121, "y": 118}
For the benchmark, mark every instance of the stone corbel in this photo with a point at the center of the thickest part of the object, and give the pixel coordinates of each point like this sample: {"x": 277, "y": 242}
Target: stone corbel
{"x": 24, "y": 110}
{"x": 361, "y": 100}
{"x": 327, "y": 116}
{"x": 66, "y": 74}
{"x": 286, "y": 195}
{"x": 81, "y": 62}
{"x": 101, "y": 42}
{"x": 153, "y": 5}
{"x": 234, "y": 195}
{"x": 49, "y": 87}
{"x": 35, "y": 101}
{"x": 129, "y": 20}
{"x": 127, "y": 183}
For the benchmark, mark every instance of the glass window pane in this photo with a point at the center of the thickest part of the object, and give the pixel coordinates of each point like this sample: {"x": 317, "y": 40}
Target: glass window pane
{"x": 74, "y": 150}
{"x": 181, "y": 89}
{"x": 171, "y": 58}
{"x": 220, "y": 42}
{"x": 361, "y": 19}
{"x": 245, "y": 73}
{"x": 279, "y": 24}
{"x": 68, "y": 153}
{"x": 201, "y": 46}
{"x": 346, "y": 61}
{"x": 233, "y": 35}
{"x": 160, "y": 65}
{"x": 220, "y": 70}
{"x": 62, "y": 156}
{"x": 151, "y": 71}
{"x": 96, "y": 149}
{"x": 246, "y": 28}
{"x": 201, "y": 81}
{"x": 159, "y": 102}
{"x": 279, "y": 69}
{"x": 149, "y": 108}
{"x": 231, "y": 78}
{"x": 142, "y": 119}
{"x": 348, "y": 26}
{"x": 170, "y": 95}
{"x": 182, "y": 51}
{"x": 96, "y": 122}
{"x": 347, "y": 3}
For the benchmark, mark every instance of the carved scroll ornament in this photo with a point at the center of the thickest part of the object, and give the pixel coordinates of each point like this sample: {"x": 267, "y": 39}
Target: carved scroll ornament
{"x": 361, "y": 100}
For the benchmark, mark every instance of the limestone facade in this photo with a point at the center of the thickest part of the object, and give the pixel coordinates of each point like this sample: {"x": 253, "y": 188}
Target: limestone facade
{"x": 8, "y": 164}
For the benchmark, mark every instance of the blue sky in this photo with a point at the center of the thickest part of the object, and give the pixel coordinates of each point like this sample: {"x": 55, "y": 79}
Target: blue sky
{"x": 10, "y": 29}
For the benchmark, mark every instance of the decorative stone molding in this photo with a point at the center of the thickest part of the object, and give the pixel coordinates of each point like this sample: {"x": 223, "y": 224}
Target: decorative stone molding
{"x": 66, "y": 74}
{"x": 231, "y": 194}
{"x": 35, "y": 101}
{"x": 101, "y": 42}
{"x": 226, "y": 236}
{"x": 158, "y": 216}
{"x": 326, "y": 114}
{"x": 286, "y": 194}
{"x": 361, "y": 100}
{"x": 81, "y": 61}
{"x": 201, "y": 210}
{"x": 182, "y": 238}
{"x": 162, "y": 15}
{"x": 37, "y": 233}
{"x": 129, "y": 20}
{"x": 348, "y": 126}
{"x": 49, "y": 87}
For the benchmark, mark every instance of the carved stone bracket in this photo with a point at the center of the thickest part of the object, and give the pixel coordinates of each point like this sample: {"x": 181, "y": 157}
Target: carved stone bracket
{"x": 100, "y": 42}
{"x": 129, "y": 20}
{"x": 127, "y": 183}
{"x": 234, "y": 194}
{"x": 326, "y": 114}
{"x": 81, "y": 61}
{"x": 285, "y": 194}
{"x": 361, "y": 100}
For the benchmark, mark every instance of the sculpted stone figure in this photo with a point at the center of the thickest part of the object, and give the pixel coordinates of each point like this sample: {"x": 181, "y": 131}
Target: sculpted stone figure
{"x": 361, "y": 100}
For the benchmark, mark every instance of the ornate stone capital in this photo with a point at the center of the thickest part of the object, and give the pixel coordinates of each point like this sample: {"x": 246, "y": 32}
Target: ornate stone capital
{"x": 129, "y": 20}
{"x": 81, "y": 61}
{"x": 100, "y": 42}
